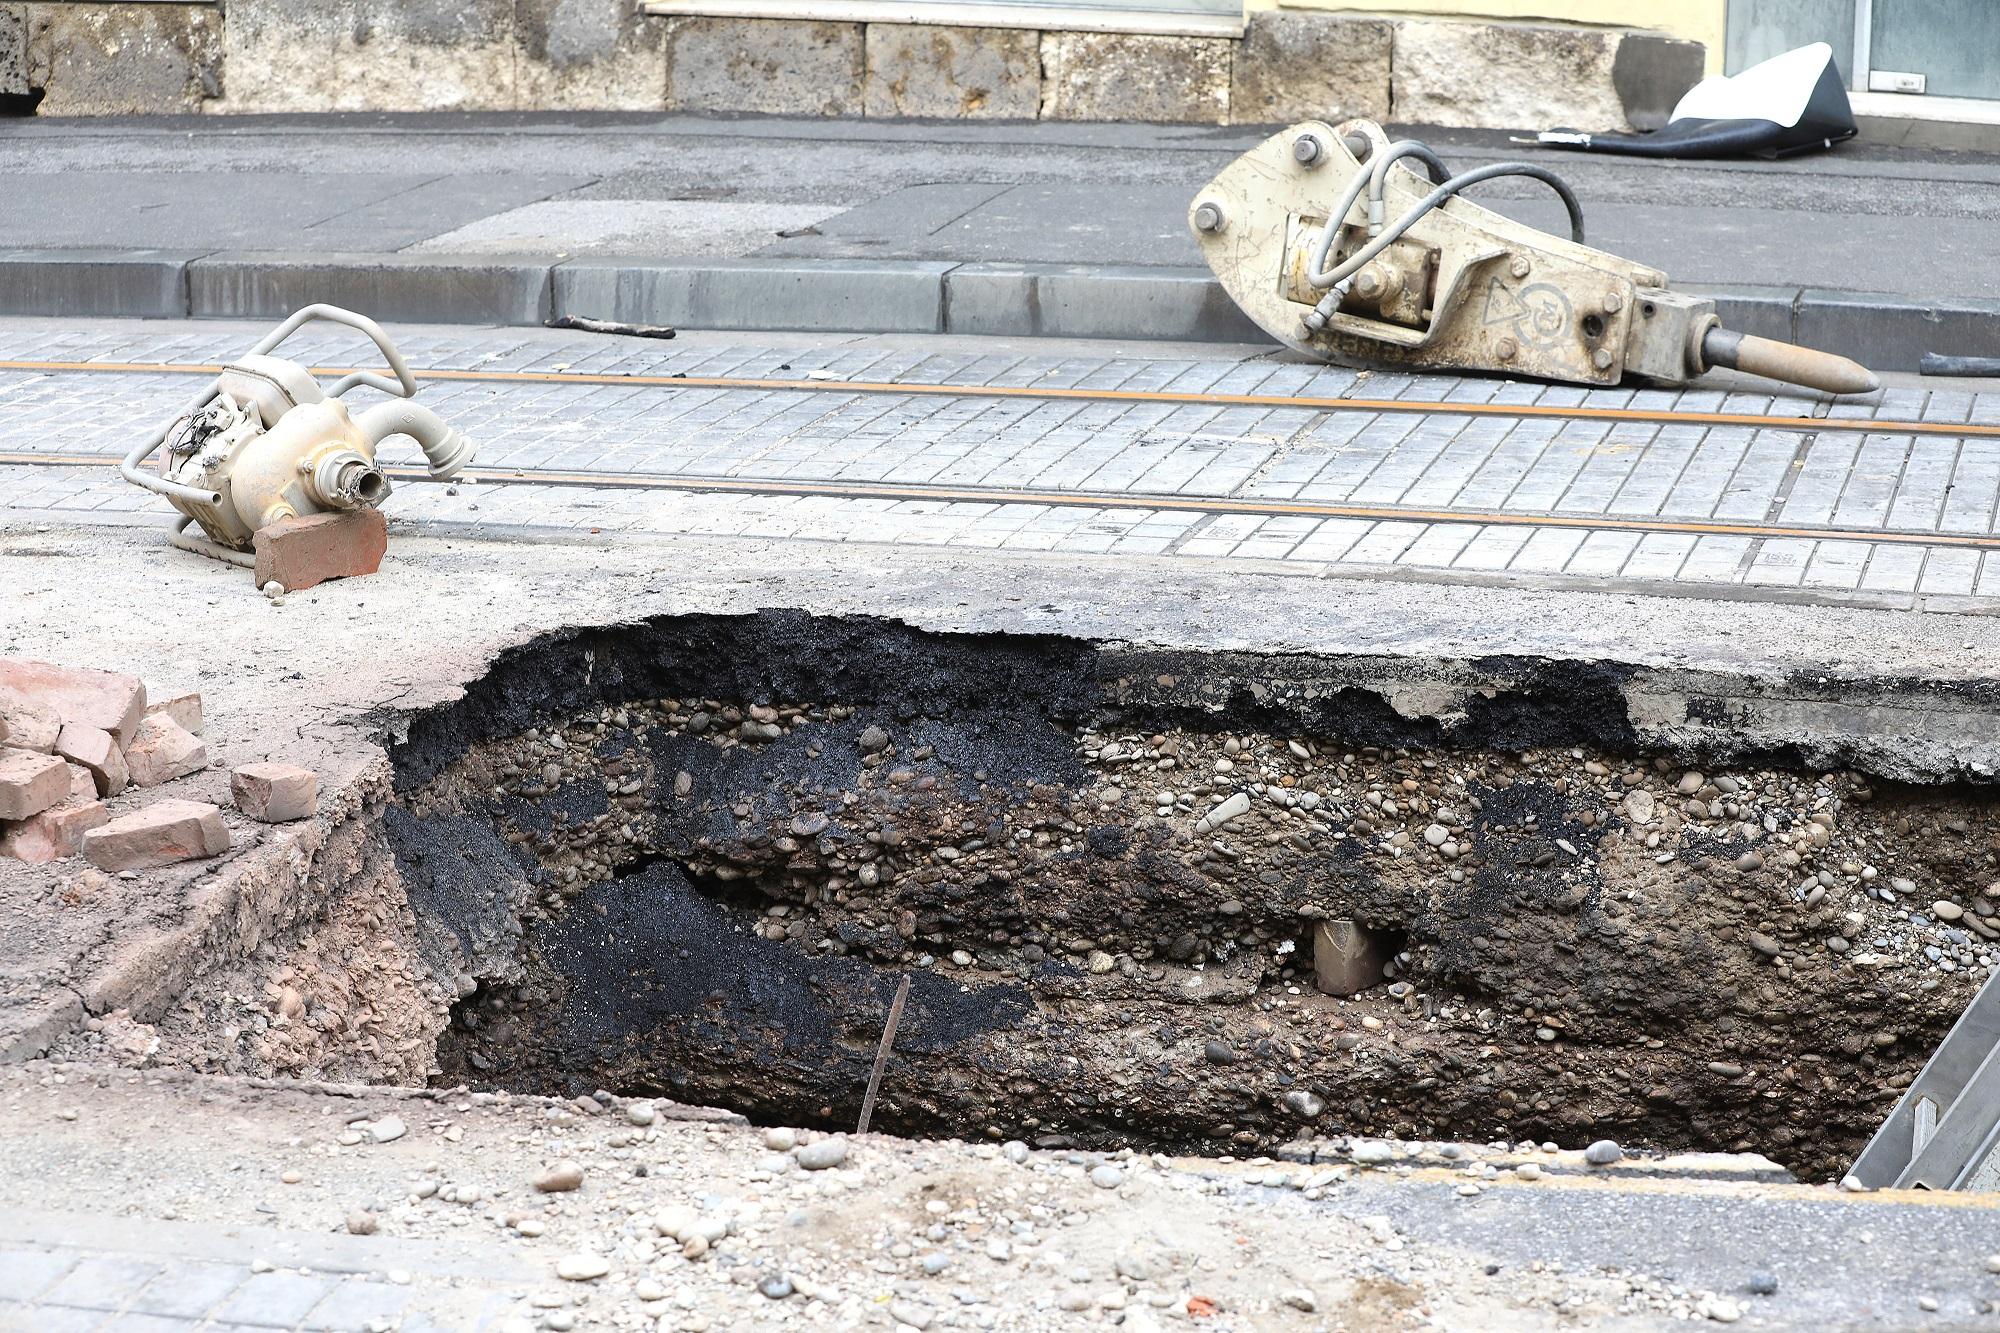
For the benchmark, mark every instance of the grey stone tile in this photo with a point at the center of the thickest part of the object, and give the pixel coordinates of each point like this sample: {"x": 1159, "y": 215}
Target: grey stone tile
{"x": 1701, "y": 484}
{"x": 1949, "y": 571}
{"x": 26, "y": 1274}
{"x": 1493, "y": 548}
{"x": 1385, "y": 544}
{"x": 274, "y": 1300}
{"x": 1780, "y": 562}
{"x": 1440, "y": 546}
{"x": 1871, "y": 484}
{"x": 1659, "y": 555}
{"x": 1602, "y": 554}
{"x": 356, "y": 1301}
{"x": 63, "y": 1319}
{"x": 1332, "y": 539}
{"x": 1547, "y": 551}
{"x": 1893, "y": 568}
{"x": 1836, "y": 564}
{"x": 103, "y": 1282}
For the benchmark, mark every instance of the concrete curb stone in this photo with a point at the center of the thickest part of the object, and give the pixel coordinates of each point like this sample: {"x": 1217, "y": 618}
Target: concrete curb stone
{"x": 838, "y": 295}
{"x": 1866, "y": 326}
{"x": 138, "y": 284}
{"x": 821, "y": 295}
{"x": 444, "y": 289}
{"x": 1028, "y": 300}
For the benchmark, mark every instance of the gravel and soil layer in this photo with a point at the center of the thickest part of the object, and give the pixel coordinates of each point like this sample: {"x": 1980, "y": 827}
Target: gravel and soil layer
{"x": 694, "y": 857}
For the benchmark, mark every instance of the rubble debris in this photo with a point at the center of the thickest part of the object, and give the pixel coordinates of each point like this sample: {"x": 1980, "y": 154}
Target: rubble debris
{"x": 301, "y": 553}
{"x": 102, "y": 699}
{"x": 183, "y": 706}
{"x": 27, "y": 725}
{"x": 274, "y": 793}
{"x": 57, "y": 832}
{"x": 96, "y": 751}
{"x": 131, "y": 1043}
{"x": 821, "y": 1155}
{"x": 156, "y": 835}
{"x": 71, "y": 738}
{"x": 30, "y": 783}
{"x": 162, "y": 751}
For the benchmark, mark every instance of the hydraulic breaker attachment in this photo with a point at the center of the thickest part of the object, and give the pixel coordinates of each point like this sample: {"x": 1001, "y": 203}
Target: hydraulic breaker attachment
{"x": 1409, "y": 273}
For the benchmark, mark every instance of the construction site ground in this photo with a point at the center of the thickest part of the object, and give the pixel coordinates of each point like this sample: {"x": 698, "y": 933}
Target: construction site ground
{"x": 1817, "y": 592}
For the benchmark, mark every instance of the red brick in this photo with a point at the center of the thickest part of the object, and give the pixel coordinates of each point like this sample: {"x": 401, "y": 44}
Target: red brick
{"x": 102, "y": 699}
{"x": 57, "y": 831}
{"x": 275, "y": 793}
{"x": 96, "y": 751}
{"x": 162, "y": 751}
{"x": 183, "y": 706}
{"x": 160, "y": 834}
{"x": 25, "y": 724}
{"x": 30, "y": 783}
{"x": 302, "y": 552}
{"x": 82, "y": 787}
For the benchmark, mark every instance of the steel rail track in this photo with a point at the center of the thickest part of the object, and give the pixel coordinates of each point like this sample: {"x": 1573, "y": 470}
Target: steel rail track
{"x": 1662, "y": 416}
{"x": 1084, "y": 499}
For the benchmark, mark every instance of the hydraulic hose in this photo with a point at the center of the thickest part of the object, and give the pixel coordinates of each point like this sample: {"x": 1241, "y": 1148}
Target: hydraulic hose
{"x": 1378, "y": 173}
{"x": 1319, "y": 277}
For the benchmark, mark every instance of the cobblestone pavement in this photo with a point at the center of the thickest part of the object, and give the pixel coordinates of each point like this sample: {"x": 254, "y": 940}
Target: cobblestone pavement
{"x": 1108, "y": 477}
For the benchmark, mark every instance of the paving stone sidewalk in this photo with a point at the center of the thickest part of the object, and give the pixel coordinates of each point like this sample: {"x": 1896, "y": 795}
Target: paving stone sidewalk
{"x": 1109, "y": 477}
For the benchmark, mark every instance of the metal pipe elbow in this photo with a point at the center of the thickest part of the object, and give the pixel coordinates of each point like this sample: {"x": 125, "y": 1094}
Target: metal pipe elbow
{"x": 445, "y": 447}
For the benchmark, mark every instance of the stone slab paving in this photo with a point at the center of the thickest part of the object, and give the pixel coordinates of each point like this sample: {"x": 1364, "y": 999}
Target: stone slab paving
{"x": 969, "y": 191}
{"x": 1102, "y": 476}
{"x": 64, "y": 1272}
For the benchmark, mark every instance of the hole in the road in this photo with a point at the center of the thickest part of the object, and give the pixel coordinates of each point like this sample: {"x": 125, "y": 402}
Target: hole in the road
{"x": 694, "y": 858}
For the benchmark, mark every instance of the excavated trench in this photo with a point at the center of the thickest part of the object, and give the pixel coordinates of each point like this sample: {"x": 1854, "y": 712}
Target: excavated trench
{"x": 694, "y": 857}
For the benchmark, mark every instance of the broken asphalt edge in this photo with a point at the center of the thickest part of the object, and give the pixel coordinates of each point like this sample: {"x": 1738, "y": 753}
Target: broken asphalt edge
{"x": 1885, "y": 332}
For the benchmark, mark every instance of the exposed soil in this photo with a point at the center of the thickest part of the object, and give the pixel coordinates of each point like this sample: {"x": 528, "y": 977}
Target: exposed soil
{"x": 694, "y": 857}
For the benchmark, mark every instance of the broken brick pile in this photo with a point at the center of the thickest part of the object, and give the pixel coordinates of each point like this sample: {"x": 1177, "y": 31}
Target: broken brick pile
{"x": 74, "y": 740}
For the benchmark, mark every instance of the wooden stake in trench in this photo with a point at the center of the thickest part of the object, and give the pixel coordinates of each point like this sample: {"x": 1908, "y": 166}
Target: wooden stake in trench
{"x": 882, "y": 1053}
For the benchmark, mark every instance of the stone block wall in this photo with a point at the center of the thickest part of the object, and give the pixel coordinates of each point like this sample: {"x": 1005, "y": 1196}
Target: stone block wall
{"x": 112, "y": 59}
{"x": 83, "y": 57}
{"x": 921, "y": 69}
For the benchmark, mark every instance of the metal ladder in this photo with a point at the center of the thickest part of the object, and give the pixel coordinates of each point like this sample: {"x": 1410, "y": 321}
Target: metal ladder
{"x": 1945, "y": 1132}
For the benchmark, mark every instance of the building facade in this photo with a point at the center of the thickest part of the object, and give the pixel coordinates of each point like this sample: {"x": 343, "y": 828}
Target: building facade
{"x": 1584, "y": 64}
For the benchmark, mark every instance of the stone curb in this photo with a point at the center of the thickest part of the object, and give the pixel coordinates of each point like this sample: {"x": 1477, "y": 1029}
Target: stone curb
{"x": 836, "y": 295}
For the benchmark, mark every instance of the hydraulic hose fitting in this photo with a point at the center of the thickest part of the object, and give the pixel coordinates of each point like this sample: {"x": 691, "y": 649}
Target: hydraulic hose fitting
{"x": 345, "y": 479}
